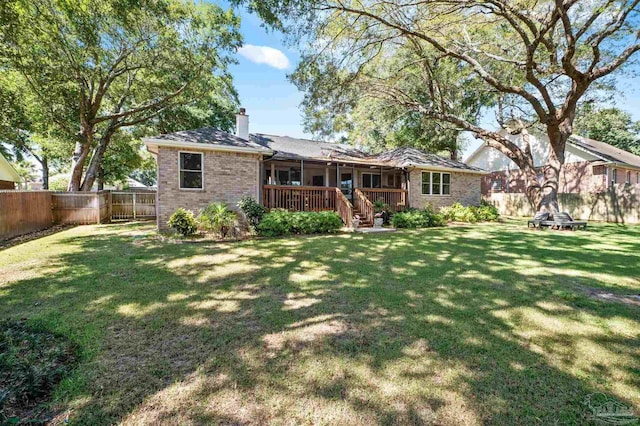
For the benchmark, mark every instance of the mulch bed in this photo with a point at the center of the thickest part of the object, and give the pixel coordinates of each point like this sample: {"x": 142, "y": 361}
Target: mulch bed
{"x": 33, "y": 236}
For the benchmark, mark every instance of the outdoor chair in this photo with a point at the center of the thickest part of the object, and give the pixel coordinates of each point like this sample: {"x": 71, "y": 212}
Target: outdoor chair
{"x": 538, "y": 218}
{"x": 563, "y": 220}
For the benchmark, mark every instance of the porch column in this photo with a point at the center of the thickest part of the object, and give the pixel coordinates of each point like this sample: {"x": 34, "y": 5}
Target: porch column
{"x": 354, "y": 177}
{"x": 273, "y": 173}
{"x": 302, "y": 173}
{"x": 326, "y": 176}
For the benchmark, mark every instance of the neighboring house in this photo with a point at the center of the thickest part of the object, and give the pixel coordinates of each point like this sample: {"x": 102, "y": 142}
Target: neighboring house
{"x": 197, "y": 167}
{"x": 590, "y": 166}
{"x": 9, "y": 177}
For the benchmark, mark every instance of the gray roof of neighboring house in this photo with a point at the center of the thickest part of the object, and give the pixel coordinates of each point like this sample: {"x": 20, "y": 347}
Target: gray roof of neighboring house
{"x": 209, "y": 135}
{"x": 412, "y": 157}
{"x": 606, "y": 151}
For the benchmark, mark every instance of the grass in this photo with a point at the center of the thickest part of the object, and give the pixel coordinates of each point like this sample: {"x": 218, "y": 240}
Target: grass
{"x": 480, "y": 324}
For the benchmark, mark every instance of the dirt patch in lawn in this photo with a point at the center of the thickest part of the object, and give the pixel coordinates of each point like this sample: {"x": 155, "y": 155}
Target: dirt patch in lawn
{"x": 628, "y": 299}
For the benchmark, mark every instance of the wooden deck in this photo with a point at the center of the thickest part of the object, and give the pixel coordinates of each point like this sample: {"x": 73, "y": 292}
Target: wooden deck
{"x": 321, "y": 198}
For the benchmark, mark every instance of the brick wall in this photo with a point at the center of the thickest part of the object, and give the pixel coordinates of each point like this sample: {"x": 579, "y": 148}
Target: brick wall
{"x": 227, "y": 178}
{"x": 574, "y": 178}
{"x": 465, "y": 189}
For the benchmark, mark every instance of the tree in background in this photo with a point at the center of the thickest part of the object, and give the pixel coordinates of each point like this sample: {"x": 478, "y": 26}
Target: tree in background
{"x": 610, "y": 125}
{"x": 114, "y": 64}
{"x": 539, "y": 59}
{"x": 374, "y": 100}
{"x": 26, "y": 129}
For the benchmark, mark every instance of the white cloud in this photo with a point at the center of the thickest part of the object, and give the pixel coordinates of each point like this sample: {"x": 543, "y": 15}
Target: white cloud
{"x": 265, "y": 55}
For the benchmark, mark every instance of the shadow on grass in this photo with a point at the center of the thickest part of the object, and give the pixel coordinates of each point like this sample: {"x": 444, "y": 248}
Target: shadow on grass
{"x": 478, "y": 324}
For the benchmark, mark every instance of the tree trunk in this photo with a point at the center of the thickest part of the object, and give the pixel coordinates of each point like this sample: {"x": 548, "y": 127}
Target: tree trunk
{"x": 96, "y": 161}
{"x": 80, "y": 154}
{"x": 44, "y": 163}
{"x": 558, "y": 136}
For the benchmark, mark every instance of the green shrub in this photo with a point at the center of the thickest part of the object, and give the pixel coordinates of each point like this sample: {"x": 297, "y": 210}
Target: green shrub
{"x": 183, "y": 222}
{"x": 218, "y": 218}
{"x": 32, "y": 363}
{"x": 280, "y": 222}
{"x": 472, "y": 214}
{"x": 414, "y": 218}
{"x": 252, "y": 210}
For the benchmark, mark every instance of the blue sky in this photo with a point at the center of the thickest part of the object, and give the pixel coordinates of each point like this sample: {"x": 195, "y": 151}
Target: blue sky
{"x": 273, "y": 103}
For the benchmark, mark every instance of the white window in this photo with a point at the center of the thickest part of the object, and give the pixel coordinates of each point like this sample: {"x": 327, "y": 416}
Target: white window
{"x": 436, "y": 183}
{"x": 614, "y": 179}
{"x": 628, "y": 180}
{"x": 191, "y": 176}
{"x": 370, "y": 180}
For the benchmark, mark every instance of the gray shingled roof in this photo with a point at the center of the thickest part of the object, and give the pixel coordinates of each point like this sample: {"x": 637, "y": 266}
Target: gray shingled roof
{"x": 412, "y": 157}
{"x": 606, "y": 151}
{"x": 209, "y": 135}
{"x": 287, "y": 148}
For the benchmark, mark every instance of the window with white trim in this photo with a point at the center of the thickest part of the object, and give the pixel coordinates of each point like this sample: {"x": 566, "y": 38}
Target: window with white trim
{"x": 436, "y": 183}
{"x": 628, "y": 180}
{"x": 614, "y": 179}
{"x": 191, "y": 176}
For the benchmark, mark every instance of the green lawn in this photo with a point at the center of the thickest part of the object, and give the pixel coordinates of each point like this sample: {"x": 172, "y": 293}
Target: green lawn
{"x": 482, "y": 324}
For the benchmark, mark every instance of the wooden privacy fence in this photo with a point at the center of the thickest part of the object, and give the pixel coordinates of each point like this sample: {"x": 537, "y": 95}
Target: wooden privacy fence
{"x": 80, "y": 208}
{"x": 620, "y": 204}
{"x": 133, "y": 205}
{"x": 22, "y": 212}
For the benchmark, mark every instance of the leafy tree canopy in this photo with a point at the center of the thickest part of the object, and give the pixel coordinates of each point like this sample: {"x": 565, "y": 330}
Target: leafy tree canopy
{"x": 100, "y": 66}
{"x": 610, "y": 125}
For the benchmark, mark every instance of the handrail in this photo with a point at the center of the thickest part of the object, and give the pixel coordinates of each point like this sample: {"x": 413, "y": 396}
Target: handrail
{"x": 344, "y": 208}
{"x": 396, "y": 199}
{"x": 364, "y": 205}
{"x": 384, "y": 190}
{"x": 298, "y": 198}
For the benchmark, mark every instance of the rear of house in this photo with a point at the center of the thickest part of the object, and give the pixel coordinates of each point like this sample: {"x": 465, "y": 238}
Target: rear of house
{"x": 197, "y": 167}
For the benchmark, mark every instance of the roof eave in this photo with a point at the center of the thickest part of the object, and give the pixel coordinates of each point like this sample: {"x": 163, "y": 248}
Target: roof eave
{"x": 447, "y": 169}
{"x": 152, "y": 143}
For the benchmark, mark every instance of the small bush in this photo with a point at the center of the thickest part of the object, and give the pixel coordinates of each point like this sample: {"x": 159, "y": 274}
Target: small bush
{"x": 252, "y": 210}
{"x": 282, "y": 222}
{"x": 32, "y": 363}
{"x": 183, "y": 222}
{"x": 472, "y": 214}
{"x": 414, "y": 218}
{"x": 218, "y": 218}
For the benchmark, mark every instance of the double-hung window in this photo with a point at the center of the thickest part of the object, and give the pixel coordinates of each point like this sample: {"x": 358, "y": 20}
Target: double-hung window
{"x": 436, "y": 183}
{"x": 191, "y": 176}
{"x": 370, "y": 180}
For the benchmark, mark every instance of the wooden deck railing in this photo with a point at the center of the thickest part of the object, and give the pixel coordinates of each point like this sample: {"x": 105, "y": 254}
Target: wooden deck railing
{"x": 343, "y": 207}
{"x": 364, "y": 205}
{"x": 396, "y": 199}
{"x": 299, "y": 198}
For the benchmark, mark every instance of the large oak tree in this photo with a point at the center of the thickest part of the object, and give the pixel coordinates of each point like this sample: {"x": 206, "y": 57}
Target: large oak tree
{"x": 539, "y": 58}
{"x": 114, "y": 64}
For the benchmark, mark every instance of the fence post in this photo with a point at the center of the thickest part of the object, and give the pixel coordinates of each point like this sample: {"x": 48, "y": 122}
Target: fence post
{"x": 134, "y": 206}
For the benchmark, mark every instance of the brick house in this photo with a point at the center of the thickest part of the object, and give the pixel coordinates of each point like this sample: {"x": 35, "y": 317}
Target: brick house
{"x": 590, "y": 166}
{"x": 197, "y": 167}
